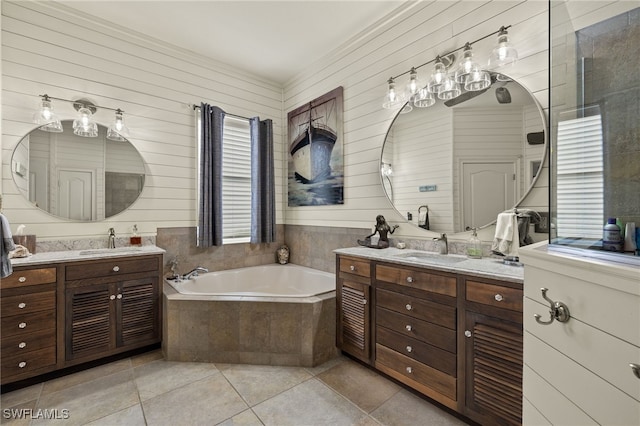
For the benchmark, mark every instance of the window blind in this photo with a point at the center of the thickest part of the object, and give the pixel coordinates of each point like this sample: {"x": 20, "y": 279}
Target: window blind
{"x": 236, "y": 179}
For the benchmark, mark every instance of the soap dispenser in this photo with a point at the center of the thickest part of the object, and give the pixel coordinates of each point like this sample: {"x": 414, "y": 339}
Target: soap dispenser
{"x": 474, "y": 246}
{"x": 135, "y": 239}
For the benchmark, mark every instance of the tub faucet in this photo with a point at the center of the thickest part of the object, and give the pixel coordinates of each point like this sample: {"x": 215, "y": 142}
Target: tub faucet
{"x": 194, "y": 272}
{"x": 444, "y": 244}
{"x": 112, "y": 238}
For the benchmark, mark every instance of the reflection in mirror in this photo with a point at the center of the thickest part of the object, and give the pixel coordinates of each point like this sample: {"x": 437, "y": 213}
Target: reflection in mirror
{"x": 466, "y": 159}
{"x": 78, "y": 178}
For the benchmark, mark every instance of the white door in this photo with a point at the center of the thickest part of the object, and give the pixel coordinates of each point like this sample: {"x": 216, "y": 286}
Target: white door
{"x": 75, "y": 194}
{"x": 487, "y": 189}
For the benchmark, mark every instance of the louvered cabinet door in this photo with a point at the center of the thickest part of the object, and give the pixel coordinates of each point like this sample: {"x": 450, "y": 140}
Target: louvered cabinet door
{"x": 90, "y": 313}
{"x": 354, "y": 332}
{"x": 493, "y": 370}
{"x": 137, "y": 311}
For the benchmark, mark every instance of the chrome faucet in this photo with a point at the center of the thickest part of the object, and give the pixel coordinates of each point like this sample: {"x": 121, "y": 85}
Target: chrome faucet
{"x": 112, "y": 238}
{"x": 444, "y": 246}
{"x": 194, "y": 272}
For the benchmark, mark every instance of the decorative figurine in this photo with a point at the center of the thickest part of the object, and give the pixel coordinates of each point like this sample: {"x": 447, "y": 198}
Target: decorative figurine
{"x": 382, "y": 228}
{"x": 283, "y": 255}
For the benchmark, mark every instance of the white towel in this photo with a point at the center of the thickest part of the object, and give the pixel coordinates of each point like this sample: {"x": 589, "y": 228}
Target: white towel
{"x": 422, "y": 217}
{"x": 506, "y": 239}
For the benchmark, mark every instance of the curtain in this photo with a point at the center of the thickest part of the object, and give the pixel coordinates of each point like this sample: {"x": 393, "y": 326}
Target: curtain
{"x": 263, "y": 212}
{"x": 210, "y": 179}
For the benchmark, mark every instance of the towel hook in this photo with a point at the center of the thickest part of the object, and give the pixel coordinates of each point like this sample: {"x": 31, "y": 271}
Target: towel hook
{"x": 558, "y": 310}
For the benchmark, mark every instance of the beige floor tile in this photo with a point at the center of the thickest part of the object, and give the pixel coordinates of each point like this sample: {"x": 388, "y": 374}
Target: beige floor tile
{"x": 246, "y": 418}
{"x": 257, "y": 383}
{"x": 327, "y": 365}
{"x": 146, "y": 357}
{"x": 91, "y": 400}
{"x": 84, "y": 376}
{"x": 161, "y": 376}
{"x": 207, "y": 401}
{"x": 21, "y": 396}
{"x": 407, "y": 409}
{"x": 309, "y": 403}
{"x": 364, "y": 387}
{"x": 131, "y": 416}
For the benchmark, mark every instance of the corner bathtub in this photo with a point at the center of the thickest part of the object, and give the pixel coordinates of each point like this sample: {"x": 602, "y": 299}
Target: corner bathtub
{"x": 270, "y": 314}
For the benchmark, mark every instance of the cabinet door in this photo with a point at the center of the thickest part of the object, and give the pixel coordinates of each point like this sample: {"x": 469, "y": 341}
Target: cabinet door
{"x": 137, "y": 311}
{"x": 354, "y": 319}
{"x": 90, "y": 314}
{"x": 493, "y": 350}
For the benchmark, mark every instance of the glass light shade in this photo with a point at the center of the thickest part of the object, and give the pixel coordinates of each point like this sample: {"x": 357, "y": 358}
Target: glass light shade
{"x": 449, "y": 89}
{"x": 466, "y": 65}
{"x": 413, "y": 85}
{"x": 392, "y": 99}
{"x": 504, "y": 53}
{"x": 46, "y": 118}
{"x": 118, "y": 131}
{"x": 84, "y": 125}
{"x": 477, "y": 80}
{"x": 424, "y": 98}
{"x": 386, "y": 169}
{"x": 406, "y": 108}
{"x": 438, "y": 76}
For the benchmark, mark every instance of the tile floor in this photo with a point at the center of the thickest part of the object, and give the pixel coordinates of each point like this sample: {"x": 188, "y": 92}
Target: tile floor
{"x": 147, "y": 390}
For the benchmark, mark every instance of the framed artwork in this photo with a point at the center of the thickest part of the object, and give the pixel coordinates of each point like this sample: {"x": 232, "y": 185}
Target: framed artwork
{"x": 315, "y": 152}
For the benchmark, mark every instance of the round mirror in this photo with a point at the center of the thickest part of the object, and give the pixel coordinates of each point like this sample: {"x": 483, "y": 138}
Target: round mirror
{"x": 77, "y": 178}
{"x": 457, "y": 164}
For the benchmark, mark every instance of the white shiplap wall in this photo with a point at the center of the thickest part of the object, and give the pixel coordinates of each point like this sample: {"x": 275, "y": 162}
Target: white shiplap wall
{"x": 47, "y": 48}
{"x": 414, "y": 34}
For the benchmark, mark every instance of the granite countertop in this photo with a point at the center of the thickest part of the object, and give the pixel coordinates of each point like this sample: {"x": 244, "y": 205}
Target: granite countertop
{"x": 484, "y": 268}
{"x": 89, "y": 254}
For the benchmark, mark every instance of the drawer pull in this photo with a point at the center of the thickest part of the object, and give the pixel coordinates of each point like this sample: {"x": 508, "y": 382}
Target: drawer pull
{"x": 22, "y": 279}
{"x": 119, "y": 296}
{"x": 467, "y": 333}
{"x": 409, "y": 279}
{"x": 22, "y": 325}
{"x": 364, "y": 301}
{"x": 116, "y": 268}
{"x": 22, "y": 305}
{"x": 352, "y": 268}
{"x": 409, "y": 307}
{"x": 112, "y": 297}
{"x": 498, "y": 298}
{"x": 22, "y": 345}
{"x": 409, "y": 349}
{"x": 409, "y": 370}
{"x": 636, "y": 369}
{"x": 22, "y": 364}
{"x": 557, "y": 310}
{"x": 408, "y": 327}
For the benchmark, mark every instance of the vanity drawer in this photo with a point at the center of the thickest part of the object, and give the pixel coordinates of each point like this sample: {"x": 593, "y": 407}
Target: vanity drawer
{"x": 401, "y": 366}
{"x": 435, "y": 283}
{"x": 417, "y": 308}
{"x": 420, "y": 351}
{"x": 28, "y": 362}
{"x": 28, "y": 303}
{"x": 23, "y": 278}
{"x": 24, "y": 325}
{"x": 111, "y": 268}
{"x": 495, "y": 295}
{"x": 435, "y": 335}
{"x": 15, "y": 345}
{"x": 354, "y": 266}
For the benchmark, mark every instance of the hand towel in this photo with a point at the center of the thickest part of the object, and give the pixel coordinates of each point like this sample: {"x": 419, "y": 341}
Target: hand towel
{"x": 506, "y": 240}
{"x": 6, "y": 246}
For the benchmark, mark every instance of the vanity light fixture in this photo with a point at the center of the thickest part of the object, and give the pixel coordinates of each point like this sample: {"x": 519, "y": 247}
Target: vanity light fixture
{"x": 386, "y": 169}
{"x": 84, "y": 125}
{"x": 446, "y": 83}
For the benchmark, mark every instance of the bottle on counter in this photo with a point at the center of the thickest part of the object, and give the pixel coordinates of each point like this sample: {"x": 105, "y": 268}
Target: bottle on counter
{"x": 612, "y": 236}
{"x": 474, "y": 246}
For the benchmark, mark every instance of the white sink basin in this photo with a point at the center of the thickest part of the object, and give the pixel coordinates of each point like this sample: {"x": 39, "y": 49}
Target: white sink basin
{"x": 118, "y": 250}
{"x": 435, "y": 257}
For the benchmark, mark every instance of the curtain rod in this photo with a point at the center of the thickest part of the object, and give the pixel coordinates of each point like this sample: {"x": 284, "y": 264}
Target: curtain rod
{"x": 194, "y": 106}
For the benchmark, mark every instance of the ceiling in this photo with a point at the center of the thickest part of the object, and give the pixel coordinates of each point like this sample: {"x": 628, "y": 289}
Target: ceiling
{"x": 272, "y": 39}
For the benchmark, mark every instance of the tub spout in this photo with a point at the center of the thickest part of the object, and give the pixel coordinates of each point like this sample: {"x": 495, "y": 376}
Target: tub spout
{"x": 194, "y": 272}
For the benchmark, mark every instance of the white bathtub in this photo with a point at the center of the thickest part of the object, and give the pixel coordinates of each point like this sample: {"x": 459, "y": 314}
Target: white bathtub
{"x": 273, "y": 280}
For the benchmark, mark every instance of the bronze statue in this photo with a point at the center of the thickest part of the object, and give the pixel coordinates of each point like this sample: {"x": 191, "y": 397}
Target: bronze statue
{"x": 382, "y": 228}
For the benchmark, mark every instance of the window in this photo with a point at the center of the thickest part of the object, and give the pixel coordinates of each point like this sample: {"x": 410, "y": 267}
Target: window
{"x": 236, "y": 179}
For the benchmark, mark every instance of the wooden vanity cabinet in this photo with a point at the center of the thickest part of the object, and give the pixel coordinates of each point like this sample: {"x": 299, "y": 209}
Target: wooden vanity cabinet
{"x": 353, "y": 298}
{"x": 111, "y": 306}
{"x": 28, "y": 315}
{"x": 493, "y": 351}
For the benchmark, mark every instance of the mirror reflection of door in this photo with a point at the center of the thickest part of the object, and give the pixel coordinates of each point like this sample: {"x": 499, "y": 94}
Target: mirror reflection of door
{"x": 487, "y": 190}
{"x": 75, "y": 194}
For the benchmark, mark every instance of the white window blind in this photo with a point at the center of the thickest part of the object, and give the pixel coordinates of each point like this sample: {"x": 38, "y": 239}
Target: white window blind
{"x": 579, "y": 175}
{"x": 236, "y": 180}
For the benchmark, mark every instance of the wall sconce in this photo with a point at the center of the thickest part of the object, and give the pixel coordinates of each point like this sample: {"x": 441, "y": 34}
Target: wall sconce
{"x": 84, "y": 125}
{"x": 446, "y": 84}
